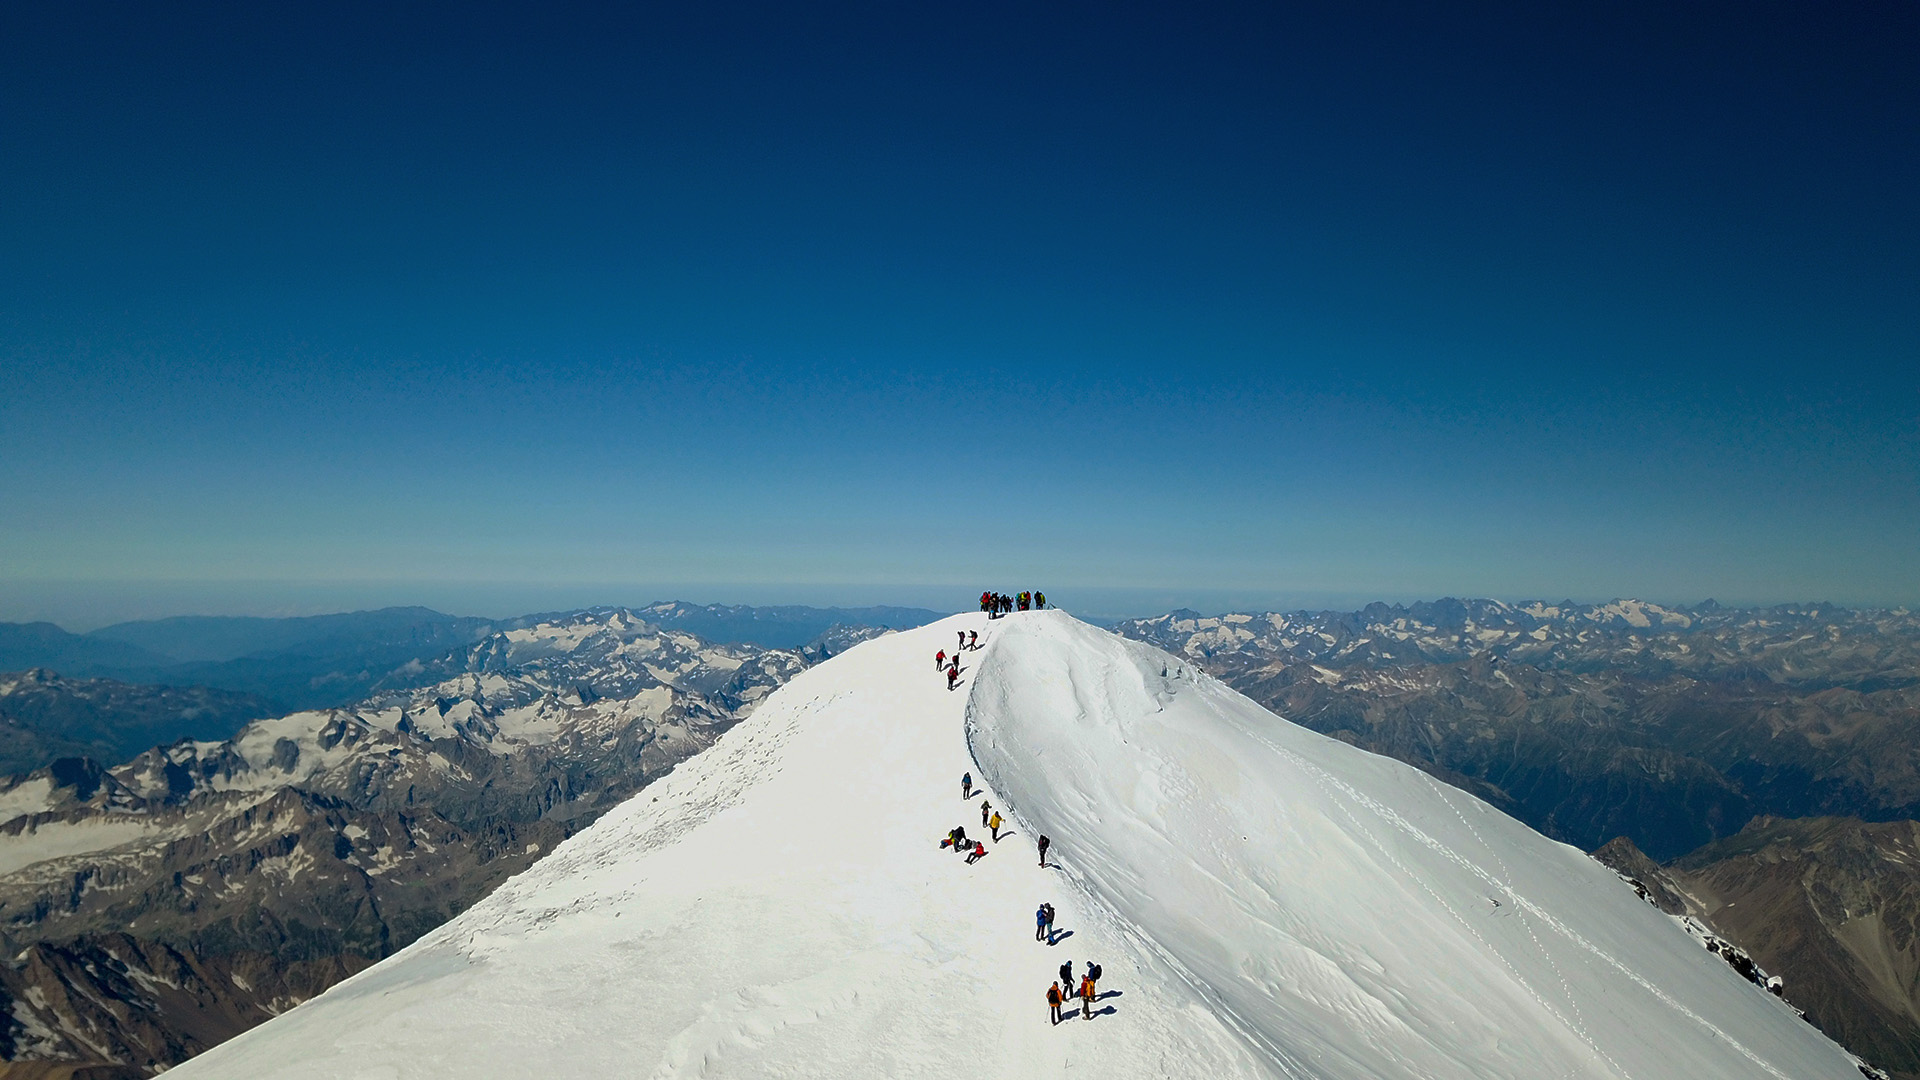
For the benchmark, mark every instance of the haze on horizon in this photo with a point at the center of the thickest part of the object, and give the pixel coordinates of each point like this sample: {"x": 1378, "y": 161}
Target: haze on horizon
{"x": 490, "y": 307}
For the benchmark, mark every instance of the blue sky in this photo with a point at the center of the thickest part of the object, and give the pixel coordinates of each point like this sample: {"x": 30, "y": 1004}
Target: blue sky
{"x": 508, "y": 308}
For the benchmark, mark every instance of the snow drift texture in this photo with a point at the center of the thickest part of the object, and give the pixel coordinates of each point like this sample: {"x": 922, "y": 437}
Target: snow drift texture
{"x": 1265, "y": 902}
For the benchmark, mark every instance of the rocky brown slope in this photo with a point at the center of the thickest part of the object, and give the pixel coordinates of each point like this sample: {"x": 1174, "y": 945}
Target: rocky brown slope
{"x": 275, "y": 900}
{"x": 1830, "y": 904}
{"x": 156, "y": 907}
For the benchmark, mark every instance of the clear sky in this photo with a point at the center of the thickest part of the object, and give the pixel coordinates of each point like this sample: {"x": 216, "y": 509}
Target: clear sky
{"x": 319, "y": 305}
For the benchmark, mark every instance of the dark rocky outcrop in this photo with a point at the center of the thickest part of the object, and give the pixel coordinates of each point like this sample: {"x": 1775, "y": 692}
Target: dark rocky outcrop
{"x": 1833, "y": 906}
{"x": 1647, "y": 877}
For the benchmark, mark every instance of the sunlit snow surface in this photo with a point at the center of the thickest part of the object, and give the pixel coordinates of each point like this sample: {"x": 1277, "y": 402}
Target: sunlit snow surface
{"x": 1265, "y": 902}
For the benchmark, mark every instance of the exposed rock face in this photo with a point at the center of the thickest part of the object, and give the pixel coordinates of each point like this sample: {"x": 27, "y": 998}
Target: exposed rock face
{"x": 1833, "y": 905}
{"x": 1647, "y": 876}
{"x": 159, "y": 906}
{"x": 119, "y": 996}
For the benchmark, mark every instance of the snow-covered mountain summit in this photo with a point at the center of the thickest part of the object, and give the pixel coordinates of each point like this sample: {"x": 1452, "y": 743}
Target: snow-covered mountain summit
{"x": 1264, "y": 902}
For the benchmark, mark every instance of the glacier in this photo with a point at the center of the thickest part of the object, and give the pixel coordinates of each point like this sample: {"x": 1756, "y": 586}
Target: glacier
{"x": 1264, "y": 901}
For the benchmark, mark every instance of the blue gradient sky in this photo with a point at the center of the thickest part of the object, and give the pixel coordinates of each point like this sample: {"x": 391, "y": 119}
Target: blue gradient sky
{"x": 310, "y": 306}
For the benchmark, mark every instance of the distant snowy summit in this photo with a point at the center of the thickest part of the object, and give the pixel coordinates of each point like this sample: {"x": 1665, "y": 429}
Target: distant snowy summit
{"x": 1263, "y": 901}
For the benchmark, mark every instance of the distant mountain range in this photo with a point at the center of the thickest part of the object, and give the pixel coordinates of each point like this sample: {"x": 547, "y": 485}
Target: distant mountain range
{"x": 158, "y": 906}
{"x": 45, "y": 716}
{"x": 787, "y": 627}
{"x": 220, "y": 639}
{"x": 1670, "y": 726}
{"x": 323, "y": 661}
{"x": 44, "y": 645}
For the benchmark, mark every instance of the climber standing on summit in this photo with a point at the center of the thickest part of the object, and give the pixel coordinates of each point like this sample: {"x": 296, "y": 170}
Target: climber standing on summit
{"x": 966, "y": 785}
{"x": 1043, "y": 865}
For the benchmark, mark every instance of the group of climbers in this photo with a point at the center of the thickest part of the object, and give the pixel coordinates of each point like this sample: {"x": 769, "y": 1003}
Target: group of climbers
{"x": 1087, "y": 991}
{"x": 951, "y": 665}
{"x": 956, "y": 839}
{"x": 950, "y": 662}
{"x": 1064, "y": 990}
{"x": 990, "y": 819}
{"x": 957, "y": 836}
{"x": 998, "y": 604}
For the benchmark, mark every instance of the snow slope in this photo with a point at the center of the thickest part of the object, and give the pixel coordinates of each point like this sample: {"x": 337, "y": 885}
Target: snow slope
{"x": 1265, "y": 902}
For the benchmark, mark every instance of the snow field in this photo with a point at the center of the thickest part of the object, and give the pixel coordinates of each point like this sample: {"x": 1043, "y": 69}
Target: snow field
{"x": 777, "y": 906}
{"x": 1265, "y": 901}
{"x": 1349, "y": 915}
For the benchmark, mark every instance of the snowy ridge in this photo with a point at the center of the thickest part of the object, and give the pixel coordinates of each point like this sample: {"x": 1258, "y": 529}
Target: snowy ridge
{"x": 1265, "y": 902}
{"x": 1357, "y": 894}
